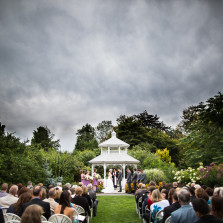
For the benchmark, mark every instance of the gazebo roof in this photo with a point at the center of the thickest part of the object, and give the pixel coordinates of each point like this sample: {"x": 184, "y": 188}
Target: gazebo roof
{"x": 114, "y": 158}
{"x": 114, "y": 142}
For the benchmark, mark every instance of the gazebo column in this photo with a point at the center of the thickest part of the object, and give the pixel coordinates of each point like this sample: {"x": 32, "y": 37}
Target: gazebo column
{"x": 92, "y": 169}
{"x": 105, "y": 183}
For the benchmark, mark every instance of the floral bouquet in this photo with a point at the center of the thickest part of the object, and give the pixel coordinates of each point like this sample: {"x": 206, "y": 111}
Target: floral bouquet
{"x": 97, "y": 176}
{"x": 87, "y": 177}
{"x": 90, "y": 178}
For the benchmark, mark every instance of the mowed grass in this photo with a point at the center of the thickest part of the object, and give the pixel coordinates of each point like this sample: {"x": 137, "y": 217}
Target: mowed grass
{"x": 116, "y": 209}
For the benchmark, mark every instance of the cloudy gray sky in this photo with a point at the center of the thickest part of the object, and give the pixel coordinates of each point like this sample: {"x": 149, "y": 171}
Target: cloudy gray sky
{"x": 67, "y": 63}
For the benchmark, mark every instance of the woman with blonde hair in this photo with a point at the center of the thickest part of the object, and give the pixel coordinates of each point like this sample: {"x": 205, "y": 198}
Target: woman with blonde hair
{"x": 32, "y": 214}
{"x": 158, "y": 203}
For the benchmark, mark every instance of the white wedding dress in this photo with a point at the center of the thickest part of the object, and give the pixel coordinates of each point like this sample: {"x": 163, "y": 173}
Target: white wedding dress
{"x": 109, "y": 187}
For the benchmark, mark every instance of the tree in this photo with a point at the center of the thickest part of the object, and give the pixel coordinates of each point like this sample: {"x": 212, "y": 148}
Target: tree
{"x": 103, "y": 129}
{"x": 43, "y": 137}
{"x": 86, "y": 138}
{"x": 204, "y": 139}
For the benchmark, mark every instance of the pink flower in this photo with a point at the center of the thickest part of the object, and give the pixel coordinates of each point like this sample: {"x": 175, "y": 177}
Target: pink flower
{"x": 212, "y": 164}
{"x": 219, "y": 176}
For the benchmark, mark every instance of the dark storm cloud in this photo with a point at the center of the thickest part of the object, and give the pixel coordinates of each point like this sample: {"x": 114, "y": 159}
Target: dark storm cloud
{"x": 66, "y": 63}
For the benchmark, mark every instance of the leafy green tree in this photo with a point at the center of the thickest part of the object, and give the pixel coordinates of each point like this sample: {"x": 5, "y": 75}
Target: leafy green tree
{"x": 103, "y": 129}
{"x": 86, "y": 138}
{"x": 43, "y": 137}
{"x": 203, "y": 142}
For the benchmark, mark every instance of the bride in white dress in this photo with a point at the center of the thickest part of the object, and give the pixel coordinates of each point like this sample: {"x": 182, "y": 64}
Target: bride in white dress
{"x": 109, "y": 187}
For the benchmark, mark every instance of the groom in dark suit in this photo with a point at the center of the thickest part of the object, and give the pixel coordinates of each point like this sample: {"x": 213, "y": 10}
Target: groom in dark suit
{"x": 129, "y": 174}
{"x": 120, "y": 179}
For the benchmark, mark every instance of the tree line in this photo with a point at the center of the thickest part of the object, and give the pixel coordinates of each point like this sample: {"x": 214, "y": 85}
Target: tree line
{"x": 197, "y": 138}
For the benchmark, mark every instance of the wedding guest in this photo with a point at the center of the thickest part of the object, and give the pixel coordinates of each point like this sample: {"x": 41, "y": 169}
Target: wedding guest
{"x": 158, "y": 203}
{"x": 203, "y": 212}
{"x": 2, "y": 220}
{"x": 36, "y": 200}
{"x": 173, "y": 207}
{"x": 52, "y": 195}
{"x": 201, "y": 193}
{"x": 143, "y": 177}
{"x": 59, "y": 186}
{"x": 43, "y": 193}
{"x": 185, "y": 213}
{"x": 217, "y": 206}
{"x": 92, "y": 194}
{"x": 175, "y": 185}
{"x": 30, "y": 185}
{"x": 142, "y": 193}
{"x": 87, "y": 180}
{"x": 170, "y": 195}
{"x": 139, "y": 190}
{"x": 114, "y": 178}
{"x": 64, "y": 206}
{"x": 95, "y": 181}
{"x": 11, "y": 198}
{"x": 86, "y": 195}
{"x": 57, "y": 197}
{"x": 192, "y": 193}
{"x": 19, "y": 186}
{"x": 82, "y": 201}
{"x": 72, "y": 190}
{"x": 83, "y": 177}
{"x": 4, "y": 189}
{"x": 134, "y": 179}
{"x": 22, "y": 190}
{"x": 32, "y": 214}
{"x": 129, "y": 174}
{"x": 23, "y": 198}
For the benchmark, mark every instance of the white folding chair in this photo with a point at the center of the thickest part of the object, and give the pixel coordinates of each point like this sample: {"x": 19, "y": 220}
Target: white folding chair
{"x": 51, "y": 212}
{"x": 59, "y": 218}
{"x": 4, "y": 210}
{"x": 43, "y": 218}
{"x": 168, "y": 219}
{"x": 12, "y": 221}
{"x": 140, "y": 207}
{"x": 159, "y": 215}
{"x": 10, "y": 217}
{"x": 81, "y": 211}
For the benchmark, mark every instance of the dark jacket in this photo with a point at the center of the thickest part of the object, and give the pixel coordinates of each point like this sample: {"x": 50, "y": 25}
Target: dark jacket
{"x": 44, "y": 205}
{"x": 168, "y": 210}
{"x": 209, "y": 219}
{"x": 142, "y": 194}
{"x": 1, "y": 216}
{"x": 92, "y": 194}
{"x": 88, "y": 198}
{"x": 134, "y": 177}
{"x": 81, "y": 201}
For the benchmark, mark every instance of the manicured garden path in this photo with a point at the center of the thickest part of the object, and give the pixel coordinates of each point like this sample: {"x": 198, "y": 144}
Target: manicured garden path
{"x": 116, "y": 209}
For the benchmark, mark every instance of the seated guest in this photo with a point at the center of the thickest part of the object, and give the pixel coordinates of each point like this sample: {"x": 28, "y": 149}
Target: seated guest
{"x": 163, "y": 186}
{"x": 186, "y": 213}
{"x": 43, "y": 193}
{"x": 30, "y": 185}
{"x": 59, "y": 186}
{"x": 22, "y": 190}
{"x": 173, "y": 207}
{"x": 170, "y": 195}
{"x": 19, "y": 186}
{"x": 192, "y": 193}
{"x": 158, "y": 203}
{"x": 64, "y": 206}
{"x": 4, "y": 189}
{"x": 152, "y": 183}
{"x": 81, "y": 201}
{"x": 52, "y": 195}
{"x": 143, "y": 193}
{"x": 203, "y": 212}
{"x": 210, "y": 193}
{"x": 72, "y": 190}
{"x": 139, "y": 190}
{"x": 217, "y": 206}
{"x": 11, "y": 198}
{"x": 58, "y": 193}
{"x": 86, "y": 195}
{"x": 2, "y": 220}
{"x": 201, "y": 193}
{"x": 23, "y": 198}
{"x": 164, "y": 193}
{"x": 32, "y": 214}
{"x": 36, "y": 200}
{"x": 92, "y": 194}
{"x": 175, "y": 185}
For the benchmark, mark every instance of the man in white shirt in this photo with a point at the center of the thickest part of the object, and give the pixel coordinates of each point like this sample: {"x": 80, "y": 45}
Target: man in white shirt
{"x": 52, "y": 195}
{"x": 11, "y": 198}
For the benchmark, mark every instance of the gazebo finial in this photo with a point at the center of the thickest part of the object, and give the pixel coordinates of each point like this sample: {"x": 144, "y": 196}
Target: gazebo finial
{"x": 113, "y": 134}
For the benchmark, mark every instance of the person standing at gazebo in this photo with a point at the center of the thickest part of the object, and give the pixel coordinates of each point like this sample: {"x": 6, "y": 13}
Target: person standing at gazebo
{"x": 134, "y": 179}
{"x": 95, "y": 182}
{"x": 87, "y": 178}
{"x": 114, "y": 177}
{"x": 120, "y": 179}
{"x": 83, "y": 177}
{"x": 129, "y": 180}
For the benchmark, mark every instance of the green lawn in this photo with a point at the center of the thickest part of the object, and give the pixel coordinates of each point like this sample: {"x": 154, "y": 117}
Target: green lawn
{"x": 116, "y": 209}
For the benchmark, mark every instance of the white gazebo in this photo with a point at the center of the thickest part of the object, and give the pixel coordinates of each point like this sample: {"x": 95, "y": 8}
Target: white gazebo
{"x": 113, "y": 152}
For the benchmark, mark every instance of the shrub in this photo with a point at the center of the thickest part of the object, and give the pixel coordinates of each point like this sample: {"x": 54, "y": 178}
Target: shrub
{"x": 211, "y": 175}
{"x": 187, "y": 176}
{"x": 155, "y": 175}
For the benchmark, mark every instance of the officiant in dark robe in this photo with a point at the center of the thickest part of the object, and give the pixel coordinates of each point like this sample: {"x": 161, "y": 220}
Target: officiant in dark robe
{"x": 115, "y": 178}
